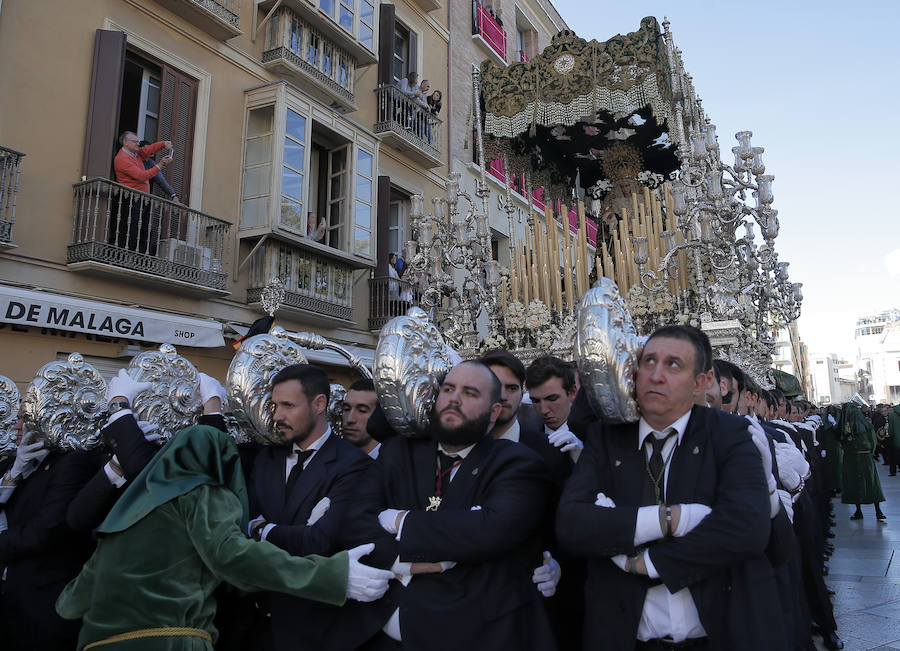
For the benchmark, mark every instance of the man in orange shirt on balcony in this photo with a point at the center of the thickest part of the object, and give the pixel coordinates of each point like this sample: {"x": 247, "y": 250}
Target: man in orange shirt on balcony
{"x": 133, "y": 215}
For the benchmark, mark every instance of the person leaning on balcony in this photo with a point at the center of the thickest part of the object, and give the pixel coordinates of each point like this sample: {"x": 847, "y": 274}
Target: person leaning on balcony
{"x": 132, "y": 227}
{"x": 129, "y": 162}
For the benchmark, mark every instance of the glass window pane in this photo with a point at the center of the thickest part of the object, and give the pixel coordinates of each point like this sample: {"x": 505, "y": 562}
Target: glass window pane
{"x": 296, "y": 126}
{"x": 364, "y": 163}
{"x": 153, "y": 95}
{"x": 366, "y": 11}
{"x": 253, "y": 212}
{"x": 321, "y": 278}
{"x": 292, "y": 183}
{"x": 346, "y": 19}
{"x": 260, "y": 121}
{"x": 293, "y": 154}
{"x": 337, "y": 187}
{"x": 363, "y": 215}
{"x": 256, "y": 181}
{"x": 327, "y": 6}
{"x": 258, "y": 150}
{"x": 362, "y": 242}
{"x": 291, "y": 212}
{"x": 150, "y": 125}
{"x": 365, "y": 35}
{"x": 303, "y": 274}
{"x": 363, "y": 188}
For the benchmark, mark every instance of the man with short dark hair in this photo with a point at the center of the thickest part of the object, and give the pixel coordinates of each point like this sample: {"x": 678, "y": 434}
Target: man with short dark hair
{"x": 456, "y": 516}
{"x": 552, "y": 389}
{"x": 299, "y": 493}
{"x": 672, "y": 514}
{"x": 731, "y": 384}
{"x": 359, "y": 403}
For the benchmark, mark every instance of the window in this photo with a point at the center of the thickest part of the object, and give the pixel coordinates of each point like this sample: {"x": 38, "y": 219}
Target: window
{"x": 362, "y": 235}
{"x": 345, "y": 18}
{"x": 257, "y": 166}
{"x": 397, "y": 218}
{"x": 327, "y": 6}
{"x": 292, "y": 215}
{"x": 366, "y": 23}
{"x": 401, "y": 52}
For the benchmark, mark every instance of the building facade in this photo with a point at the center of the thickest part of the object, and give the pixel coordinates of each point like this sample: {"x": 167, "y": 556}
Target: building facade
{"x": 830, "y": 381}
{"x": 293, "y": 156}
{"x": 877, "y": 339}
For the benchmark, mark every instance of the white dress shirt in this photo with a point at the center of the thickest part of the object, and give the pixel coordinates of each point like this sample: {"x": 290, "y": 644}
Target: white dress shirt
{"x": 392, "y": 628}
{"x": 373, "y": 453}
{"x": 513, "y": 433}
{"x": 665, "y": 615}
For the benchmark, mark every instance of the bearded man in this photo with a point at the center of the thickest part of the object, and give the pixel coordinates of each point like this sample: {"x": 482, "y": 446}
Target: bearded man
{"x": 456, "y": 516}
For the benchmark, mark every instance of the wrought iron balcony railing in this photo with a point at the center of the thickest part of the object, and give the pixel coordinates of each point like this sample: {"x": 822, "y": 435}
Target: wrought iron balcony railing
{"x": 10, "y": 167}
{"x": 313, "y": 283}
{"x": 411, "y": 127}
{"x": 139, "y": 233}
{"x": 221, "y": 18}
{"x": 389, "y": 297}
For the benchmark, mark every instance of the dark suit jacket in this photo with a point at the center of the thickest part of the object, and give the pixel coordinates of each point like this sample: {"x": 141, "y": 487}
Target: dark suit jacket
{"x": 41, "y": 554}
{"x": 333, "y": 472}
{"x": 487, "y": 601}
{"x": 721, "y": 561}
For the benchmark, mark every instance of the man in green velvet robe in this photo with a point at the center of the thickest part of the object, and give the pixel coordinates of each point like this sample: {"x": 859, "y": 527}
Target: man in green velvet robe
{"x": 173, "y": 536}
{"x": 859, "y": 475}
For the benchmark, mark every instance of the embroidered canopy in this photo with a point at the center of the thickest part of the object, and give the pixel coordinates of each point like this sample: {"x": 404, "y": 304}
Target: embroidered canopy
{"x": 605, "y": 111}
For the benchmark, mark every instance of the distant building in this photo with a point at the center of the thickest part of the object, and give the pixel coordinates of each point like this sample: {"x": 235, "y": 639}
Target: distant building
{"x": 877, "y": 338}
{"x": 831, "y": 382}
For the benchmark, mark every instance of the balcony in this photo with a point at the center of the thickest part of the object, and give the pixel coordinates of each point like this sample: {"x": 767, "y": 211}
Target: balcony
{"x": 10, "y": 167}
{"x": 219, "y": 18}
{"x": 129, "y": 233}
{"x": 317, "y": 287}
{"x": 427, "y": 5}
{"x": 488, "y": 32}
{"x": 389, "y": 297}
{"x": 329, "y": 27}
{"x": 297, "y": 51}
{"x": 408, "y": 127}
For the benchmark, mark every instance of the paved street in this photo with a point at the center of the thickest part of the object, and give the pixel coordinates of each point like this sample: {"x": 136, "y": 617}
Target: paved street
{"x": 865, "y": 572}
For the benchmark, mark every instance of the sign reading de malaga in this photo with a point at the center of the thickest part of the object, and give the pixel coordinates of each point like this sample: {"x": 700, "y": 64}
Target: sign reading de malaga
{"x": 46, "y": 310}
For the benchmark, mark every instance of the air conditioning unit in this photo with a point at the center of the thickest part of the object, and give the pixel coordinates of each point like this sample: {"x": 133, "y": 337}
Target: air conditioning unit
{"x": 191, "y": 255}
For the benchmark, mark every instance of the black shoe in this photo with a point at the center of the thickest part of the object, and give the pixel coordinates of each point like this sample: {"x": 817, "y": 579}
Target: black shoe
{"x": 857, "y": 516}
{"x": 881, "y": 517}
{"x": 832, "y": 641}
{"x": 892, "y": 474}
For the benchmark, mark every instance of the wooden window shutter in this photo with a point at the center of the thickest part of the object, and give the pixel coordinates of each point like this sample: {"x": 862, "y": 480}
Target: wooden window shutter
{"x": 177, "y": 105}
{"x": 101, "y": 140}
{"x": 386, "y": 25}
{"x": 382, "y": 226}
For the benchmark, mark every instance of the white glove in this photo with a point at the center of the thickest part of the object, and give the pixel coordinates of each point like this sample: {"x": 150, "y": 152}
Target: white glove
{"x": 831, "y": 419}
{"x": 150, "y": 430}
{"x": 127, "y": 387}
{"x": 318, "y": 510}
{"x": 388, "y": 520}
{"x": 691, "y": 515}
{"x": 789, "y": 459}
{"x": 210, "y": 387}
{"x": 604, "y": 501}
{"x": 26, "y": 453}
{"x": 761, "y": 441}
{"x": 566, "y": 441}
{"x": 547, "y": 575}
{"x": 787, "y": 502}
{"x": 365, "y": 583}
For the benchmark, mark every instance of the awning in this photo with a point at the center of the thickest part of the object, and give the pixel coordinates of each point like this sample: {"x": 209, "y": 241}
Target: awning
{"x": 47, "y": 310}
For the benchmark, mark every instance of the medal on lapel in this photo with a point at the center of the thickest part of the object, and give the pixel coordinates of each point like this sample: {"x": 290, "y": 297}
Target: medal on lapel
{"x": 434, "y": 502}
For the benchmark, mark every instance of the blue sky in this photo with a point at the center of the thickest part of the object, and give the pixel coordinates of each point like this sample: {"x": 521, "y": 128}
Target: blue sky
{"x": 817, "y": 84}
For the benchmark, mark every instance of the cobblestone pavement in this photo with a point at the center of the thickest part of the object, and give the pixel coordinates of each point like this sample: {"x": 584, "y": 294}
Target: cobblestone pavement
{"x": 864, "y": 572}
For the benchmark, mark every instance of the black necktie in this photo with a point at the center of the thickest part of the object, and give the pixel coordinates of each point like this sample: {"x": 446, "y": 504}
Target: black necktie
{"x": 302, "y": 456}
{"x": 655, "y": 470}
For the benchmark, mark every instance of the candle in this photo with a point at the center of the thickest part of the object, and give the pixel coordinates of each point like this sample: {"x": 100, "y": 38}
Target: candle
{"x": 554, "y": 257}
{"x": 523, "y": 264}
{"x": 545, "y": 265}
{"x": 567, "y": 263}
{"x": 513, "y": 279}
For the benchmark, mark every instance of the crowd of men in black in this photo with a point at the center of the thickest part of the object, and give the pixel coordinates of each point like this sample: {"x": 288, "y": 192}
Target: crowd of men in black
{"x": 519, "y": 521}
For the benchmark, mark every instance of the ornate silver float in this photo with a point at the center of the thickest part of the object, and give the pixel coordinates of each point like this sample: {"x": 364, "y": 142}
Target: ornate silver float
{"x": 9, "y": 414}
{"x": 173, "y": 401}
